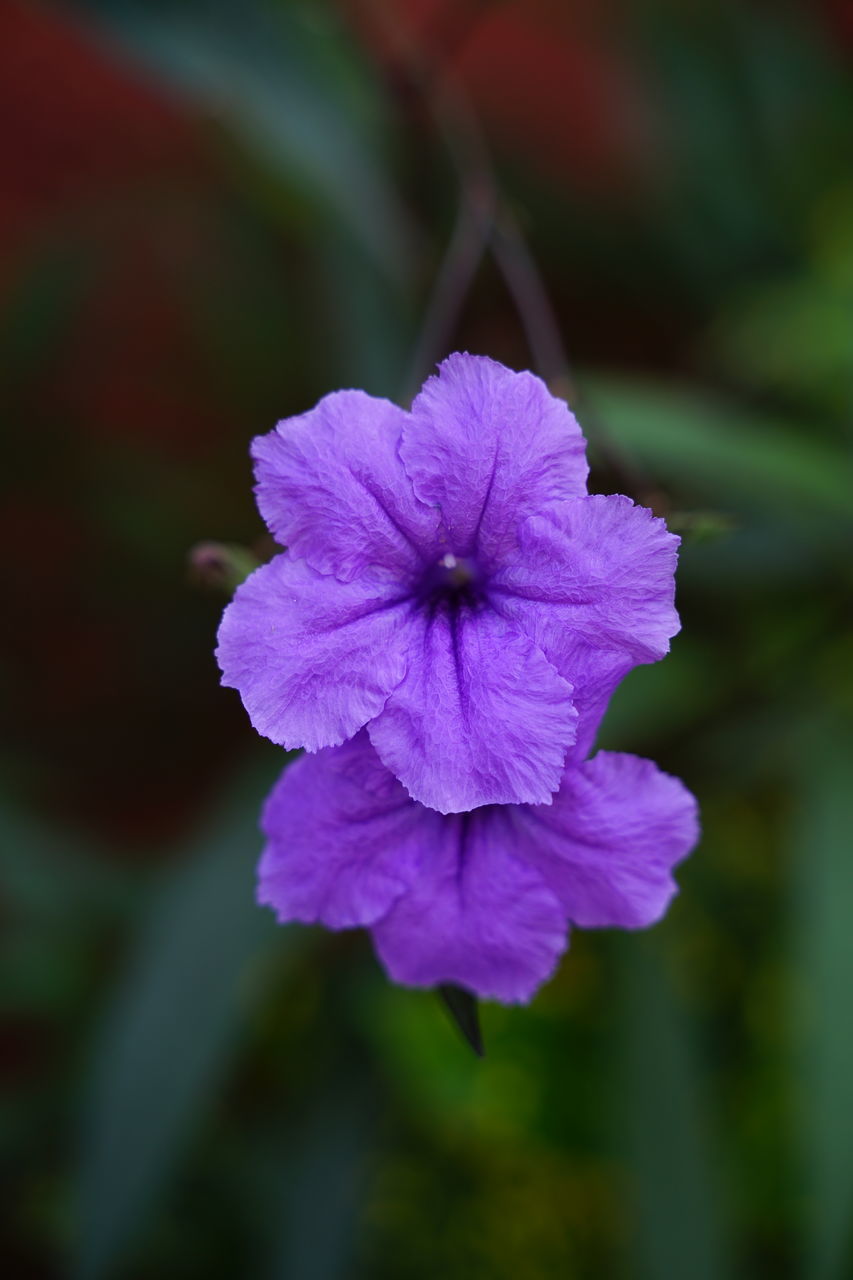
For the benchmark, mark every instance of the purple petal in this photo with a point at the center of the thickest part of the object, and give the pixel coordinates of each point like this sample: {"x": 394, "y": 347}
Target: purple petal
{"x": 475, "y": 916}
{"x": 331, "y": 487}
{"x": 608, "y": 843}
{"x": 597, "y": 673}
{"x": 594, "y": 587}
{"x": 481, "y": 716}
{"x": 489, "y": 447}
{"x": 344, "y": 841}
{"x": 313, "y": 659}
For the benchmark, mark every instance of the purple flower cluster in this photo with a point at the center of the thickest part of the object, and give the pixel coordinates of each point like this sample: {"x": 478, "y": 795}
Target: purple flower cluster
{"x": 445, "y": 629}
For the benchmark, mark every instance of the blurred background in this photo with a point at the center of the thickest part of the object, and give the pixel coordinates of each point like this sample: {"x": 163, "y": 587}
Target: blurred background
{"x": 210, "y": 215}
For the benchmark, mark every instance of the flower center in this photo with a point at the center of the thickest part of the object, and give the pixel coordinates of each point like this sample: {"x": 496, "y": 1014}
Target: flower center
{"x": 451, "y": 582}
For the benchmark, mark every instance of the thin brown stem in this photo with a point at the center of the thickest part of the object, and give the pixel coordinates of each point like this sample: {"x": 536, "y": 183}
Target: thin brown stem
{"x": 459, "y": 267}
{"x": 542, "y": 330}
{"x": 485, "y": 222}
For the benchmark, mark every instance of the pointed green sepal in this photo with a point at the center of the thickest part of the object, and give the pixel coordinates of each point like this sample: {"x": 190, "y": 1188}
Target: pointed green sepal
{"x": 465, "y": 1013}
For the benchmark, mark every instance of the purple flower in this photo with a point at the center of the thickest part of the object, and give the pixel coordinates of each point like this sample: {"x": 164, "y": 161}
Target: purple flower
{"x": 449, "y": 584}
{"x": 481, "y": 899}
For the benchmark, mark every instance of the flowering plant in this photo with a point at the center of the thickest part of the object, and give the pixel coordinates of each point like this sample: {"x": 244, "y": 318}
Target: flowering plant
{"x": 449, "y": 584}
{"x": 443, "y": 633}
{"x": 481, "y": 900}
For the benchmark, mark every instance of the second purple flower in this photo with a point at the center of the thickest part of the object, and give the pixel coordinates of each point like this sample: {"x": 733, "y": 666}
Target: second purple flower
{"x": 449, "y": 584}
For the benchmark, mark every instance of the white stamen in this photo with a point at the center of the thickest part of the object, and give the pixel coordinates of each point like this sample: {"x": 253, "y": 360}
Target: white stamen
{"x": 449, "y": 560}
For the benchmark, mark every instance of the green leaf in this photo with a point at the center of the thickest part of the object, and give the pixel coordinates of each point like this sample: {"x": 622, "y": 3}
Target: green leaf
{"x": 289, "y": 87}
{"x": 687, "y": 437}
{"x": 654, "y": 703}
{"x": 47, "y": 875}
{"x": 367, "y": 333}
{"x": 327, "y": 1179}
{"x": 823, "y": 893}
{"x": 172, "y": 1029}
{"x": 679, "y": 1229}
